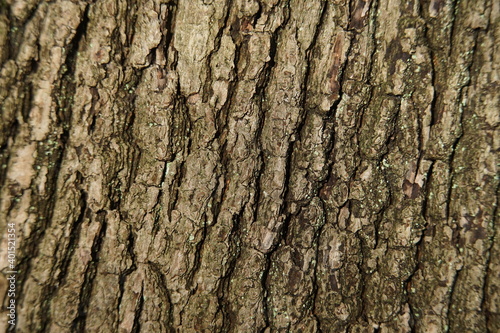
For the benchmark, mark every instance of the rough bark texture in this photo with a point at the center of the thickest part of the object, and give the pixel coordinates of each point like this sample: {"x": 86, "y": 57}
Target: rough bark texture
{"x": 251, "y": 166}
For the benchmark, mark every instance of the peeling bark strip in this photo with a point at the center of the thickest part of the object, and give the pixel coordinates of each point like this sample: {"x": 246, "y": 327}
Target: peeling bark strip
{"x": 251, "y": 166}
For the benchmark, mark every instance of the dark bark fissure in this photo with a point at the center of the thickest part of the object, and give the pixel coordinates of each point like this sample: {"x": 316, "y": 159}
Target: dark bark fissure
{"x": 198, "y": 248}
{"x": 163, "y": 285}
{"x": 32, "y": 245}
{"x": 453, "y": 290}
{"x": 375, "y": 21}
{"x": 70, "y": 247}
{"x": 131, "y": 20}
{"x": 224, "y": 281}
{"x": 5, "y": 157}
{"x": 261, "y": 90}
{"x": 79, "y": 322}
{"x": 27, "y": 102}
{"x": 137, "y": 323}
{"x": 67, "y": 87}
{"x": 15, "y": 35}
{"x": 64, "y": 263}
{"x": 207, "y": 90}
{"x": 49, "y": 204}
{"x": 126, "y": 273}
{"x": 169, "y": 26}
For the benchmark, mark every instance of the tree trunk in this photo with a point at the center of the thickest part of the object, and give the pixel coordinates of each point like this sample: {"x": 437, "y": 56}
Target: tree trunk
{"x": 250, "y": 165}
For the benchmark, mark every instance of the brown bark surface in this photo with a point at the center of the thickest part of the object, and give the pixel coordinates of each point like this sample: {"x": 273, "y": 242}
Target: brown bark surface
{"x": 251, "y": 165}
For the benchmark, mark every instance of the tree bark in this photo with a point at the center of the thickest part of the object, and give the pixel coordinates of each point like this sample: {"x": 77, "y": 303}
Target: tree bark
{"x": 251, "y": 165}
